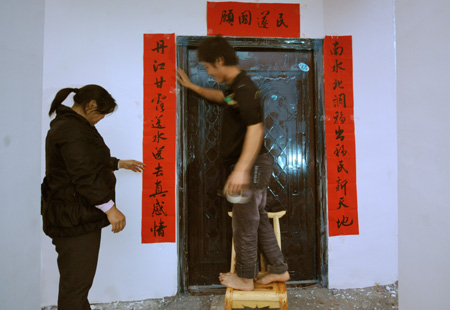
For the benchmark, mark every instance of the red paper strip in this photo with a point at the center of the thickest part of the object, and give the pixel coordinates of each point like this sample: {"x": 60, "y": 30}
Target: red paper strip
{"x": 159, "y": 142}
{"x": 244, "y": 19}
{"x": 340, "y": 136}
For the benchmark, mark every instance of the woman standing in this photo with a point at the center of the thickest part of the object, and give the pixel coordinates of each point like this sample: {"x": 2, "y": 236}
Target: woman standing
{"x": 78, "y": 191}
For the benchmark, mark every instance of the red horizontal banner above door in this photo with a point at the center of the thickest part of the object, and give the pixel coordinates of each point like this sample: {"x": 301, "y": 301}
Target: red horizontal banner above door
{"x": 244, "y": 19}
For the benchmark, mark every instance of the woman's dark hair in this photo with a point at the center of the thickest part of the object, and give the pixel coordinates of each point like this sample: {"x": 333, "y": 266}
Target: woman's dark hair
{"x": 105, "y": 102}
{"x": 214, "y": 47}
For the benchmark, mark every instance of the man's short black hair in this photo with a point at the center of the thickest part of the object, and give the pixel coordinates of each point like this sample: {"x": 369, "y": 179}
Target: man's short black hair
{"x": 213, "y": 48}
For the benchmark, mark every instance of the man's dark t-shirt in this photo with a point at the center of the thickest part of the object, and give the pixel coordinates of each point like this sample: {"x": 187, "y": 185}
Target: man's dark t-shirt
{"x": 243, "y": 108}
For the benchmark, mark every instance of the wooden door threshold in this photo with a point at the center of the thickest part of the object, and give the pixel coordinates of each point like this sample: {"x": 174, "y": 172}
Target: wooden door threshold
{"x": 220, "y": 289}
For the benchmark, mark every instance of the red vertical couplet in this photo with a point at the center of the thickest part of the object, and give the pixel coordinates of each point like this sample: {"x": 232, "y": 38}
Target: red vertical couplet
{"x": 244, "y": 19}
{"x": 340, "y": 136}
{"x": 159, "y": 142}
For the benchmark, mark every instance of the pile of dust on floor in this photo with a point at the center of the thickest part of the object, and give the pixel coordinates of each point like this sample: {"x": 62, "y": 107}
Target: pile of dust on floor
{"x": 378, "y": 297}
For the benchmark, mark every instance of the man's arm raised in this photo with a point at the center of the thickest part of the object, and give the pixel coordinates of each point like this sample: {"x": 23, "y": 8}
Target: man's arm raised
{"x": 207, "y": 93}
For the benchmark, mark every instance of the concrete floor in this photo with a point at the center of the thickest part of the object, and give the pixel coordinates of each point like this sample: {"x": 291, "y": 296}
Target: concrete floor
{"x": 380, "y": 297}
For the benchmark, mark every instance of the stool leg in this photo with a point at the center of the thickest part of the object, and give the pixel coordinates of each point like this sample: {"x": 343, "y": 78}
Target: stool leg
{"x": 229, "y": 299}
{"x": 283, "y": 296}
{"x": 276, "y": 229}
{"x": 233, "y": 258}
{"x": 262, "y": 263}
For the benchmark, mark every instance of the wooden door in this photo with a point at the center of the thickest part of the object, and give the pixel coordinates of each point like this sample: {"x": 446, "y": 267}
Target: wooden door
{"x": 288, "y": 82}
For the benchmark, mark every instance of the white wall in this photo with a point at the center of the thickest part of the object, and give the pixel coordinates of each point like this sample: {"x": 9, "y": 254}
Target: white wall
{"x": 423, "y": 29}
{"x": 100, "y": 41}
{"x": 371, "y": 257}
{"x": 21, "y": 49}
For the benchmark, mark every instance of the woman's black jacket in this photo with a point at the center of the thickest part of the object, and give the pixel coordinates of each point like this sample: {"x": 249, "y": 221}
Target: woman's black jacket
{"x": 79, "y": 176}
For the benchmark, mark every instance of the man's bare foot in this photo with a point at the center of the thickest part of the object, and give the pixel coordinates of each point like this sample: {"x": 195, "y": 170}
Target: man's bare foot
{"x": 232, "y": 280}
{"x": 273, "y": 277}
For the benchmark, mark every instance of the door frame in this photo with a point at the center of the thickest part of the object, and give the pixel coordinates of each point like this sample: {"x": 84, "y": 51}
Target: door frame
{"x": 183, "y": 44}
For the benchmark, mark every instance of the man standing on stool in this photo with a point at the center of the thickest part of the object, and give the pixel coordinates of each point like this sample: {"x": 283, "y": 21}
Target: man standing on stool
{"x": 247, "y": 161}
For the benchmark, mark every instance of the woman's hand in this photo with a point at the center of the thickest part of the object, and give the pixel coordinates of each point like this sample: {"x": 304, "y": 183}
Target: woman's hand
{"x": 116, "y": 218}
{"x": 133, "y": 165}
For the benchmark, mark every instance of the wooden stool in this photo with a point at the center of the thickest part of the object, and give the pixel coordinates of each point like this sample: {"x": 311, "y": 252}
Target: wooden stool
{"x": 273, "y": 295}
